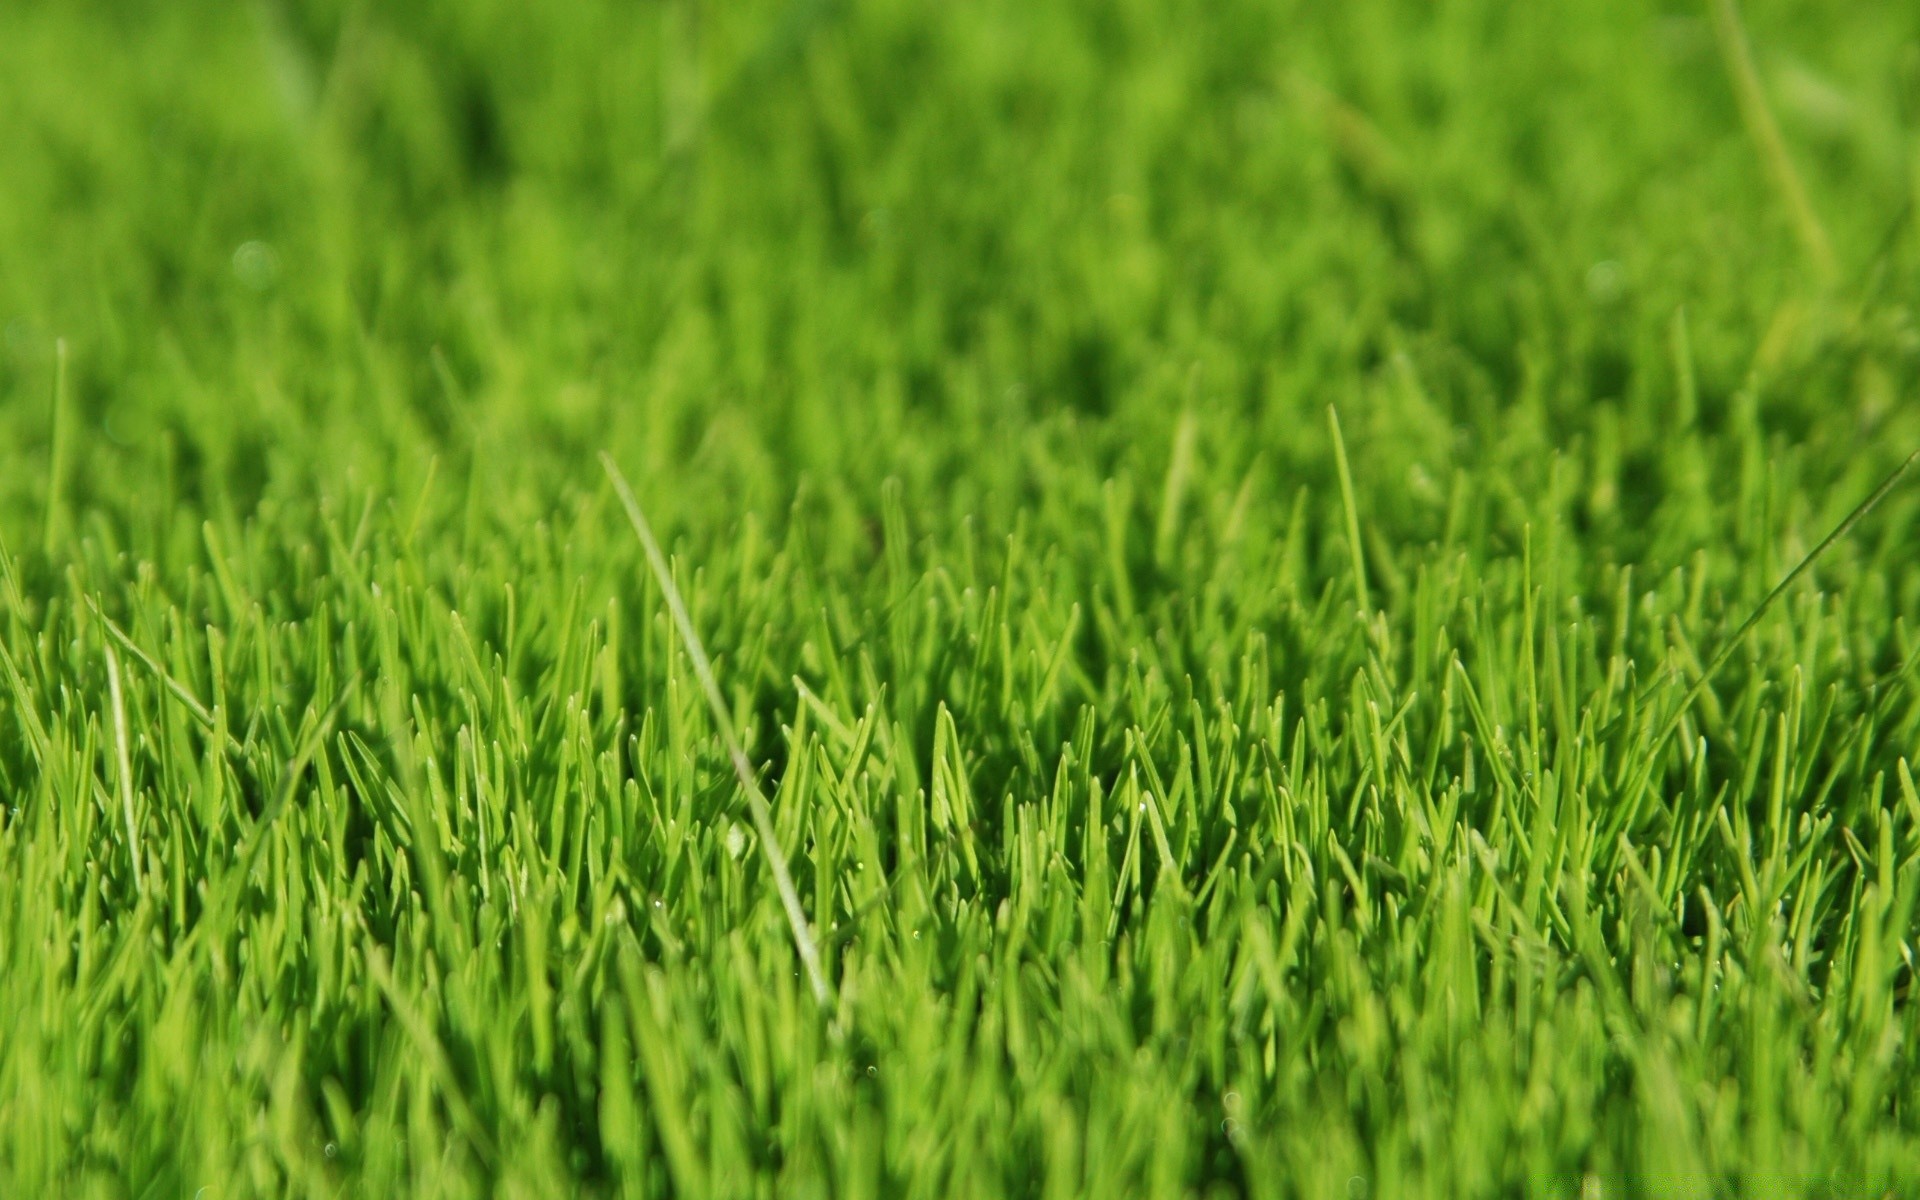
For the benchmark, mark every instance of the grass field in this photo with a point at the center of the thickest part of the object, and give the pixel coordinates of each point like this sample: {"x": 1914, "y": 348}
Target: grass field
{"x": 1225, "y": 533}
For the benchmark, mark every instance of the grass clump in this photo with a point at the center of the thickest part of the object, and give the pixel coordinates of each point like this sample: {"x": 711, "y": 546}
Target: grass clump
{"x": 1224, "y": 536}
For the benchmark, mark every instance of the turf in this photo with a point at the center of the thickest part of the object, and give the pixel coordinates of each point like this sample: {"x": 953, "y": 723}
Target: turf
{"x": 1211, "y": 523}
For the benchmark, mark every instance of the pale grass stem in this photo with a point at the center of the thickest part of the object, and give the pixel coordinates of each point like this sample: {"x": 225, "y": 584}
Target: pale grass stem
{"x": 742, "y": 768}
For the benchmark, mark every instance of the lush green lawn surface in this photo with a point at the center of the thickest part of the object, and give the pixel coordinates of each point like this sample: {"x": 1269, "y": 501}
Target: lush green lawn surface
{"x": 1189, "y": 795}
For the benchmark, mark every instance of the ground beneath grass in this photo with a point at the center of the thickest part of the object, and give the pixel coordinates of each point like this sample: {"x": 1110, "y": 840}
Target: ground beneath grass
{"x": 1224, "y": 534}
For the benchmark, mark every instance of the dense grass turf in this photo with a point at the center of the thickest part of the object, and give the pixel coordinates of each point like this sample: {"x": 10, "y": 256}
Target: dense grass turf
{"x": 1209, "y": 520}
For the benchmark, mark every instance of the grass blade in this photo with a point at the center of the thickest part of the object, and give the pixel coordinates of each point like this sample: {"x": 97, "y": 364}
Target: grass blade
{"x": 742, "y": 768}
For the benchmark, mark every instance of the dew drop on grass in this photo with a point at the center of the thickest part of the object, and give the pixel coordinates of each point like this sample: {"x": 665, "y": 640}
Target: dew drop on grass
{"x": 736, "y": 842}
{"x": 873, "y": 1072}
{"x": 113, "y": 431}
{"x": 1606, "y": 282}
{"x": 256, "y": 264}
{"x": 331, "y": 1150}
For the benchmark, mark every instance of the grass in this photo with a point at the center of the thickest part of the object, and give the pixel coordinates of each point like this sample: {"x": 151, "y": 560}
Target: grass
{"x": 1225, "y": 536}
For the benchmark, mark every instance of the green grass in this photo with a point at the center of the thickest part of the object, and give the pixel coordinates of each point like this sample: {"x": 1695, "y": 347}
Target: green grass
{"x": 1210, "y": 522}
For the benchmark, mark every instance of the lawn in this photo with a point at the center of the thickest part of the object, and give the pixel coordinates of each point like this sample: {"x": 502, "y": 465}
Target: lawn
{"x": 1215, "y": 628}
